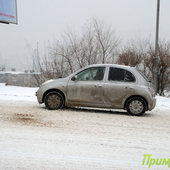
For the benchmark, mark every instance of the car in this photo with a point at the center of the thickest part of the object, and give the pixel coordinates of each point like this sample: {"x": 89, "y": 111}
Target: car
{"x": 101, "y": 86}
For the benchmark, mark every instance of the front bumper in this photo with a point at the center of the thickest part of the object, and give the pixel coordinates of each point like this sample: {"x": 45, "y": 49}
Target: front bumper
{"x": 39, "y": 95}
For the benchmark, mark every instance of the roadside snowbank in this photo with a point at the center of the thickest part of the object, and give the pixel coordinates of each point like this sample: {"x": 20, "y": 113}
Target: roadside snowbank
{"x": 17, "y": 93}
{"x": 162, "y": 101}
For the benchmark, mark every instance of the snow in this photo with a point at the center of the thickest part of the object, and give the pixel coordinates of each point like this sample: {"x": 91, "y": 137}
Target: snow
{"x": 28, "y": 94}
{"x": 17, "y": 72}
{"x": 17, "y": 93}
{"x": 11, "y": 72}
{"x": 163, "y": 102}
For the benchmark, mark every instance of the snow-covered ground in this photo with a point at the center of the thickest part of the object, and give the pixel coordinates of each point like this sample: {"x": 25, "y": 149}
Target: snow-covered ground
{"x": 32, "y": 137}
{"x": 17, "y": 93}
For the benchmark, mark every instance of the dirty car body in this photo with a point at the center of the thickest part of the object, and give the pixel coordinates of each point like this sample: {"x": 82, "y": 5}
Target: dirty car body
{"x": 100, "y": 85}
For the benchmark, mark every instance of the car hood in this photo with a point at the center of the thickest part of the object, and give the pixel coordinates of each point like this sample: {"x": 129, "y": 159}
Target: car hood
{"x": 52, "y": 81}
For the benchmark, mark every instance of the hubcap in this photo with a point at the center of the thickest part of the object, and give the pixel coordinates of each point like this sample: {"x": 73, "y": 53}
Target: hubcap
{"x": 136, "y": 107}
{"x": 54, "y": 101}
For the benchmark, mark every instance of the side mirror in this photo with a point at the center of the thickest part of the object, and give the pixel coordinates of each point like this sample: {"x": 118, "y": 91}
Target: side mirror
{"x": 74, "y": 78}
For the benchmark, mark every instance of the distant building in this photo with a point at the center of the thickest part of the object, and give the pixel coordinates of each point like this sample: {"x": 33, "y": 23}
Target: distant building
{"x": 15, "y": 78}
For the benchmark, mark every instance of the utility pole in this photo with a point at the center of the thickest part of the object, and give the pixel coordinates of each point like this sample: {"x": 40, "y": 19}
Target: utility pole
{"x": 156, "y": 58}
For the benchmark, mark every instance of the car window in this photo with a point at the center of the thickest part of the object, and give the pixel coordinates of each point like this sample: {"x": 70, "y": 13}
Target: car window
{"x": 129, "y": 77}
{"x": 118, "y": 74}
{"x": 91, "y": 74}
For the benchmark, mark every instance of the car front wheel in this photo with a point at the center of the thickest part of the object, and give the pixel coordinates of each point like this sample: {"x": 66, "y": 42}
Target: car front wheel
{"x": 136, "y": 106}
{"x": 54, "y": 101}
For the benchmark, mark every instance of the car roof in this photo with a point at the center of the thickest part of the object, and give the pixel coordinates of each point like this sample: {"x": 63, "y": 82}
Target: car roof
{"x": 111, "y": 65}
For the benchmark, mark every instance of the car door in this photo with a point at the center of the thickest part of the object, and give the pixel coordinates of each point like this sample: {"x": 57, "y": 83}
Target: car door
{"x": 87, "y": 87}
{"x": 119, "y": 85}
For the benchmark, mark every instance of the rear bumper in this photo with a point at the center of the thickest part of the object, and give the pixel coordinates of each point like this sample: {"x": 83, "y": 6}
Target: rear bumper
{"x": 152, "y": 104}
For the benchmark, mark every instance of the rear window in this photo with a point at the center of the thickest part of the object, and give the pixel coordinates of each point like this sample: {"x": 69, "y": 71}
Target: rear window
{"x": 118, "y": 74}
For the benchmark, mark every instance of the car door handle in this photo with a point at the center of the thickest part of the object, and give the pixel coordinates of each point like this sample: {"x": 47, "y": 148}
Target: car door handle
{"x": 129, "y": 88}
{"x": 98, "y": 85}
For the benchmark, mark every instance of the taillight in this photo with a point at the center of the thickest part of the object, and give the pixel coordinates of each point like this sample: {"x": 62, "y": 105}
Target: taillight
{"x": 151, "y": 92}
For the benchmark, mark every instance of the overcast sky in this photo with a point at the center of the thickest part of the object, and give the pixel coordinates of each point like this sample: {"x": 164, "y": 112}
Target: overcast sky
{"x": 45, "y": 20}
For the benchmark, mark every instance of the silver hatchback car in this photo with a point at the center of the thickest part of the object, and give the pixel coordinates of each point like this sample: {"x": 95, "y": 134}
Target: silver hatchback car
{"x": 100, "y": 85}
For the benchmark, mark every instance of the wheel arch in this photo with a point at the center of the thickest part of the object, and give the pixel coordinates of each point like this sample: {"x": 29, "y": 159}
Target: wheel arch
{"x": 125, "y": 103}
{"x": 53, "y": 90}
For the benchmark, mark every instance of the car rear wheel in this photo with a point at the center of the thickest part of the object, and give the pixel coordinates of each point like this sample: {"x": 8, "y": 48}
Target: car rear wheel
{"x": 54, "y": 101}
{"x": 136, "y": 106}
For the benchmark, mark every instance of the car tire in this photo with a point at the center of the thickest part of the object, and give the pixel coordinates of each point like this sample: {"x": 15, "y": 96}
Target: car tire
{"x": 136, "y": 106}
{"x": 54, "y": 101}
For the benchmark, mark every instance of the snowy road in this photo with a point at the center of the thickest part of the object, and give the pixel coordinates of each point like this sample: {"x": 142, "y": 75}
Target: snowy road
{"x": 32, "y": 137}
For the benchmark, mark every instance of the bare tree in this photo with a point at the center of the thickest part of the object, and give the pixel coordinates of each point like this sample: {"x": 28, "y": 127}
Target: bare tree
{"x": 95, "y": 44}
{"x": 2, "y": 68}
{"x": 164, "y": 65}
{"x": 106, "y": 39}
{"x": 141, "y": 55}
{"x": 44, "y": 67}
{"x": 130, "y": 56}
